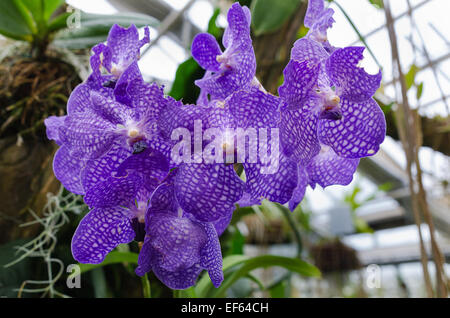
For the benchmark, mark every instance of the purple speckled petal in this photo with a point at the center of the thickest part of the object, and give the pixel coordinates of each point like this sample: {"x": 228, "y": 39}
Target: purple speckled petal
{"x": 248, "y": 200}
{"x": 205, "y": 50}
{"x": 352, "y": 82}
{"x": 237, "y": 65}
{"x": 324, "y": 22}
{"x": 207, "y": 191}
{"x": 180, "y": 279}
{"x": 80, "y": 101}
{"x": 313, "y": 13}
{"x": 238, "y": 30}
{"x": 219, "y": 117}
{"x": 109, "y": 109}
{"x": 95, "y": 80}
{"x": 275, "y": 187}
{"x": 98, "y": 170}
{"x": 147, "y": 99}
{"x": 178, "y": 241}
{"x": 299, "y": 191}
{"x": 150, "y": 164}
{"x": 145, "y": 258}
{"x": 162, "y": 145}
{"x": 124, "y": 46}
{"x": 100, "y": 231}
{"x": 254, "y": 108}
{"x": 222, "y": 223}
{"x": 114, "y": 191}
{"x": 177, "y": 115}
{"x": 360, "y": 131}
{"x": 163, "y": 198}
{"x": 67, "y": 170}
{"x": 305, "y": 49}
{"x": 298, "y": 132}
{"x": 203, "y": 99}
{"x": 131, "y": 73}
{"x": 327, "y": 168}
{"x": 87, "y": 135}
{"x": 228, "y": 34}
{"x": 299, "y": 79}
{"x": 53, "y": 124}
{"x": 211, "y": 255}
{"x": 238, "y": 75}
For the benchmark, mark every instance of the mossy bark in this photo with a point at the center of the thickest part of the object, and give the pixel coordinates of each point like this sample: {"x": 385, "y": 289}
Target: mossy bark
{"x": 26, "y": 178}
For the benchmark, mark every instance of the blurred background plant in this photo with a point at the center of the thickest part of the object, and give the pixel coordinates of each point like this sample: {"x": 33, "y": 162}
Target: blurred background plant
{"x": 386, "y": 234}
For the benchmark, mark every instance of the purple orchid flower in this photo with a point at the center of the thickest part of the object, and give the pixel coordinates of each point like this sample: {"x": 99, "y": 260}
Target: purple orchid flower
{"x": 328, "y": 100}
{"x": 177, "y": 248}
{"x": 319, "y": 19}
{"x": 327, "y": 168}
{"x": 118, "y": 206}
{"x": 249, "y": 111}
{"x": 107, "y": 121}
{"x": 118, "y": 57}
{"x": 96, "y": 121}
{"x": 233, "y": 69}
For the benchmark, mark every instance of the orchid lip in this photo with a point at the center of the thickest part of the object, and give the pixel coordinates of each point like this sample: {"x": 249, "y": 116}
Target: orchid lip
{"x": 331, "y": 112}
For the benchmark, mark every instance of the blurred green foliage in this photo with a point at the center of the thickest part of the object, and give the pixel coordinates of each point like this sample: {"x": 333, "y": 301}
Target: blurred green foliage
{"x": 269, "y": 16}
{"x": 354, "y": 201}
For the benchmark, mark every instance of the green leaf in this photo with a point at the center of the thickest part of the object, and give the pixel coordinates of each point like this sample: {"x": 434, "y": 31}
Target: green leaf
{"x": 377, "y": 3}
{"x": 183, "y": 86}
{"x": 212, "y": 26}
{"x": 112, "y": 258}
{"x": 94, "y": 28}
{"x": 14, "y": 22}
{"x": 268, "y": 15}
{"x": 385, "y": 186}
{"x": 35, "y": 12}
{"x": 185, "y": 293}
{"x": 59, "y": 22}
{"x": 410, "y": 76}
{"x": 361, "y": 225}
{"x": 99, "y": 283}
{"x": 255, "y": 280}
{"x": 204, "y": 284}
{"x": 27, "y": 20}
{"x": 386, "y": 108}
{"x": 419, "y": 91}
{"x": 50, "y": 7}
{"x": 278, "y": 290}
{"x": 292, "y": 264}
{"x": 237, "y": 242}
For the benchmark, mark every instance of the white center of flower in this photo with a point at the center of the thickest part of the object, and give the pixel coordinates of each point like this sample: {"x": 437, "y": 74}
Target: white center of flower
{"x": 116, "y": 70}
{"x": 334, "y": 100}
{"x": 228, "y": 142}
{"x": 221, "y": 58}
{"x": 132, "y": 132}
{"x": 220, "y": 104}
{"x": 140, "y": 210}
{"x": 330, "y": 98}
{"x": 320, "y": 37}
{"x": 224, "y": 60}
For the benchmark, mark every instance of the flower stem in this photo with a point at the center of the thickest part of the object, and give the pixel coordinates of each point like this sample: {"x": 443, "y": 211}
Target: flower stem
{"x": 146, "y": 286}
{"x": 291, "y": 221}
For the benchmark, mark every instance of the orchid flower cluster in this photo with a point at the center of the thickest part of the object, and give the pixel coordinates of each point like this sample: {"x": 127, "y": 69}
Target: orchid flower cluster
{"x": 120, "y": 148}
